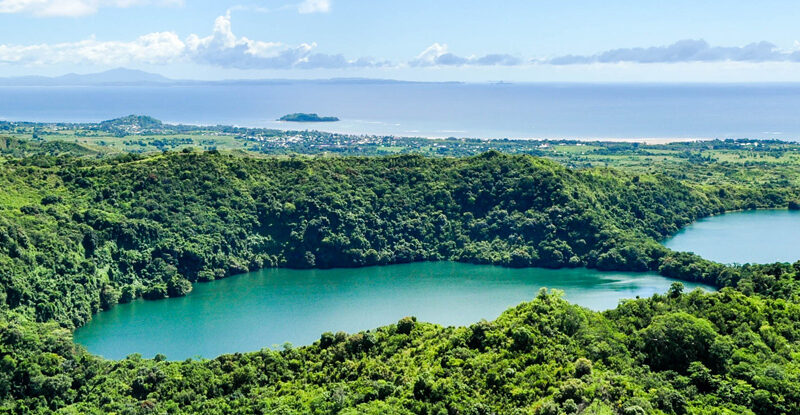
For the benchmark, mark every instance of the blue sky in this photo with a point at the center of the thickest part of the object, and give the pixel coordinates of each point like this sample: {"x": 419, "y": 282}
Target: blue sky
{"x": 466, "y": 40}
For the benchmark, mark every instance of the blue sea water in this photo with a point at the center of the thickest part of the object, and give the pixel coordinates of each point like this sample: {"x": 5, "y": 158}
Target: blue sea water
{"x": 437, "y": 109}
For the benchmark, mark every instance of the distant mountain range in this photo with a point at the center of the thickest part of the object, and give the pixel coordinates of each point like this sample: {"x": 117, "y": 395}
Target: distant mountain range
{"x": 123, "y": 76}
{"x": 119, "y": 76}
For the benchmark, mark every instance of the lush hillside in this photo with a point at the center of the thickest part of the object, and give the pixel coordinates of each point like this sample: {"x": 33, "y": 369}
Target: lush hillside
{"x": 108, "y": 231}
{"x": 131, "y": 125}
{"x": 724, "y": 353}
{"x": 79, "y": 235}
{"x": 13, "y": 147}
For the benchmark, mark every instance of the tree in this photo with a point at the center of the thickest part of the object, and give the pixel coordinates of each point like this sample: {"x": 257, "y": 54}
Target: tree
{"x": 109, "y": 296}
{"x": 178, "y": 287}
{"x": 406, "y": 324}
{"x": 675, "y": 290}
{"x": 583, "y": 367}
{"x": 155, "y": 292}
{"x": 675, "y": 340}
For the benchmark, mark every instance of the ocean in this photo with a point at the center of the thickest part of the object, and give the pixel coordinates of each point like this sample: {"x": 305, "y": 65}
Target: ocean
{"x": 497, "y": 110}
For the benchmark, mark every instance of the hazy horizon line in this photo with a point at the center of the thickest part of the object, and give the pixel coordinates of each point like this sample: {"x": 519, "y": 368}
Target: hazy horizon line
{"x": 157, "y": 78}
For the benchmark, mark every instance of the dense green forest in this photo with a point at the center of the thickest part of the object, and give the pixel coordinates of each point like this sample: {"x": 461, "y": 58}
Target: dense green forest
{"x": 81, "y": 234}
{"x": 116, "y": 229}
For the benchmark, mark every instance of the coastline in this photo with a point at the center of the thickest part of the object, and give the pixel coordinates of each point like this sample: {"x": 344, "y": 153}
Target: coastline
{"x": 588, "y": 139}
{"x": 350, "y": 128}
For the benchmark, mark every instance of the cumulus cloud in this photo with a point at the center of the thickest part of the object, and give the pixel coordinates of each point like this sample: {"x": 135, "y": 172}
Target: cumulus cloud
{"x": 221, "y": 48}
{"x": 153, "y": 48}
{"x": 438, "y": 55}
{"x": 314, "y": 6}
{"x": 684, "y": 51}
{"x": 73, "y": 7}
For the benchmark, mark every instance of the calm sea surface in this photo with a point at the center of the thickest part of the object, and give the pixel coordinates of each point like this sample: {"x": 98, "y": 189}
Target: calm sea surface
{"x": 434, "y": 110}
{"x": 270, "y": 307}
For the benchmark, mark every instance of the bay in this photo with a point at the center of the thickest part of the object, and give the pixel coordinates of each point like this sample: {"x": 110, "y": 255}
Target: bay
{"x": 548, "y": 110}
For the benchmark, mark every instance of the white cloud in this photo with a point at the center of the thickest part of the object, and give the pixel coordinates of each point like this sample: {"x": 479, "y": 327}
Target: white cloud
{"x": 153, "y": 48}
{"x": 683, "y": 51}
{"x": 73, "y": 8}
{"x": 314, "y": 6}
{"x": 437, "y": 54}
{"x": 224, "y": 49}
{"x": 429, "y": 56}
{"x": 688, "y": 50}
{"x": 221, "y": 48}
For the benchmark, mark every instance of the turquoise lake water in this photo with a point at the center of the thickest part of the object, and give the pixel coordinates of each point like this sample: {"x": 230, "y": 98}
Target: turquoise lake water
{"x": 271, "y": 307}
{"x": 756, "y": 236}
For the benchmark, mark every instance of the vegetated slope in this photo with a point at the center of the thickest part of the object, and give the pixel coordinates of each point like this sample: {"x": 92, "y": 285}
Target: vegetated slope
{"x": 17, "y": 148}
{"x": 132, "y": 124}
{"x": 108, "y": 231}
{"x": 78, "y": 235}
{"x": 722, "y": 353}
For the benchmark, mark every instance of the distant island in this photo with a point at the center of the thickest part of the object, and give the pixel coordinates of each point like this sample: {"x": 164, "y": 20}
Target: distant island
{"x": 302, "y": 117}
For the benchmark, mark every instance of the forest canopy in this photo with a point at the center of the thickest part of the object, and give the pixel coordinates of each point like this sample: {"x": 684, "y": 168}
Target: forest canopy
{"x": 81, "y": 235}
